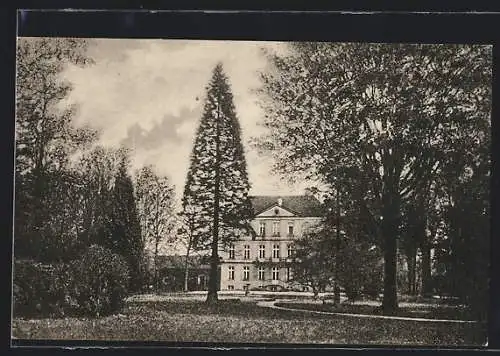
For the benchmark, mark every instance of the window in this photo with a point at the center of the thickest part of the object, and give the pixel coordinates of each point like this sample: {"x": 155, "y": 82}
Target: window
{"x": 246, "y": 273}
{"x": 230, "y": 287}
{"x": 276, "y": 274}
{"x": 262, "y": 251}
{"x": 276, "y": 228}
{"x": 276, "y": 251}
{"x": 288, "y": 273}
{"x": 231, "y": 252}
{"x": 246, "y": 252}
{"x": 262, "y": 229}
{"x": 231, "y": 273}
{"x": 290, "y": 229}
{"x": 290, "y": 250}
{"x": 261, "y": 273}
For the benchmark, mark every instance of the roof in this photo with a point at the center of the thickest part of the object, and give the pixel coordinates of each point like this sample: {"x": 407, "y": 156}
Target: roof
{"x": 177, "y": 261}
{"x": 301, "y": 205}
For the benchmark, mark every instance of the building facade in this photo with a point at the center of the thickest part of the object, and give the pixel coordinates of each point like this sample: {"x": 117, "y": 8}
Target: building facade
{"x": 263, "y": 261}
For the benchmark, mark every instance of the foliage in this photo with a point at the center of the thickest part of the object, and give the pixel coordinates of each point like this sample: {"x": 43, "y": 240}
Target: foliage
{"x": 41, "y": 290}
{"x": 360, "y": 269}
{"x": 393, "y": 117}
{"x": 154, "y": 200}
{"x": 97, "y": 170}
{"x": 101, "y": 281}
{"x": 125, "y": 238}
{"x": 216, "y": 190}
{"x": 314, "y": 260}
{"x": 45, "y": 140}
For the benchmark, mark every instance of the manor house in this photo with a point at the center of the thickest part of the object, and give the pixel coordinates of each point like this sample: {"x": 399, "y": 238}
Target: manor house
{"x": 264, "y": 261}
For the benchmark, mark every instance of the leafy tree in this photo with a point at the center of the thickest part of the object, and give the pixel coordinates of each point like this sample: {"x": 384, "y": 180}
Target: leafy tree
{"x": 154, "y": 196}
{"x": 216, "y": 189}
{"x": 360, "y": 268}
{"x": 45, "y": 140}
{"x": 314, "y": 259}
{"x": 186, "y": 232}
{"x": 389, "y": 115}
{"x": 96, "y": 172}
{"x": 466, "y": 239}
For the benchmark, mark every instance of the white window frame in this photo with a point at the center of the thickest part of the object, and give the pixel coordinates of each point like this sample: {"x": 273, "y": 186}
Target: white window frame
{"x": 262, "y": 273}
{"x": 246, "y": 273}
{"x": 276, "y": 228}
{"x": 276, "y": 251}
{"x": 231, "y": 252}
{"x": 230, "y": 271}
{"x": 246, "y": 252}
{"x": 262, "y": 228}
{"x": 262, "y": 251}
{"x": 276, "y": 273}
{"x": 290, "y": 250}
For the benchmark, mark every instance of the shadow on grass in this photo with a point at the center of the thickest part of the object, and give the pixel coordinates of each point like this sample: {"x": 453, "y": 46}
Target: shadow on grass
{"x": 230, "y": 307}
{"x": 435, "y": 312}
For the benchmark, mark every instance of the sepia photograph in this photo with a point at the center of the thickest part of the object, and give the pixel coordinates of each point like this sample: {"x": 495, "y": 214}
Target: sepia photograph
{"x": 254, "y": 192}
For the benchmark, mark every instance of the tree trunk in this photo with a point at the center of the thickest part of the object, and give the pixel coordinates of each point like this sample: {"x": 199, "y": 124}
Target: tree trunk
{"x": 155, "y": 275}
{"x": 390, "y": 230}
{"x": 186, "y": 271}
{"x": 412, "y": 264}
{"x": 212, "y": 281}
{"x": 336, "y": 288}
{"x": 426, "y": 269}
{"x": 214, "y": 261}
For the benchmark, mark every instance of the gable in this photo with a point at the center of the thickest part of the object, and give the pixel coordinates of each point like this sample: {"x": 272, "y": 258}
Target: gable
{"x": 271, "y": 212}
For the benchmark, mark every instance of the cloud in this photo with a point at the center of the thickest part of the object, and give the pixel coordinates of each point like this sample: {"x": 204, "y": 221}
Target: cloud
{"x": 171, "y": 130}
{"x": 142, "y": 93}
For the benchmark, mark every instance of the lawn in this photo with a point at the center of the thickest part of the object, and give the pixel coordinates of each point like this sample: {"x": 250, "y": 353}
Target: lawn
{"x": 234, "y": 321}
{"x": 428, "y": 312}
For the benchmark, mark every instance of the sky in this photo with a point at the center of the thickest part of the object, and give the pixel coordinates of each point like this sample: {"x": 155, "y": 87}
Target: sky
{"x": 148, "y": 95}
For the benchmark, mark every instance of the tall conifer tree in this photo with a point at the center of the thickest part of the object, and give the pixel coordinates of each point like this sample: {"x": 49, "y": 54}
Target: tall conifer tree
{"x": 125, "y": 237}
{"x": 216, "y": 191}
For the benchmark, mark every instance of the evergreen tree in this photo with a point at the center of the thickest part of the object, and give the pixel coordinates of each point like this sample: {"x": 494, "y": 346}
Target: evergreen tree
{"x": 125, "y": 236}
{"x": 216, "y": 191}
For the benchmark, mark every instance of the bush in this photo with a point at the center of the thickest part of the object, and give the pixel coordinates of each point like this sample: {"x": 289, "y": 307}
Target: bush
{"x": 41, "y": 290}
{"x": 352, "y": 290}
{"x": 102, "y": 280}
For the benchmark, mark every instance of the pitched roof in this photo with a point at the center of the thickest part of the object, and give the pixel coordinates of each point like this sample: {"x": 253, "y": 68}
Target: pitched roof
{"x": 302, "y": 205}
{"x": 177, "y": 261}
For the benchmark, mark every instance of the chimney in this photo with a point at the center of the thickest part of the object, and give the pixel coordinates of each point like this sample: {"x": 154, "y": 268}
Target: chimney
{"x": 280, "y": 201}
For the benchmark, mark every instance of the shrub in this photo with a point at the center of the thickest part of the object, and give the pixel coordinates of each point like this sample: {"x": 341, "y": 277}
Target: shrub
{"x": 41, "y": 290}
{"x": 102, "y": 279}
{"x": 352, "y": 290}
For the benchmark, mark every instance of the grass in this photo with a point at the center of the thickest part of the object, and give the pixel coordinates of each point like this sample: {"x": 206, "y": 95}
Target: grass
{"x": 434, "y": 312}
{"x": 233, "y": 321}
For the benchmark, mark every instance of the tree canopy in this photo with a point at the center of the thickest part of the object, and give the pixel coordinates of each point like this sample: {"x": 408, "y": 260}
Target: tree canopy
{"x": 394, "y": 117}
